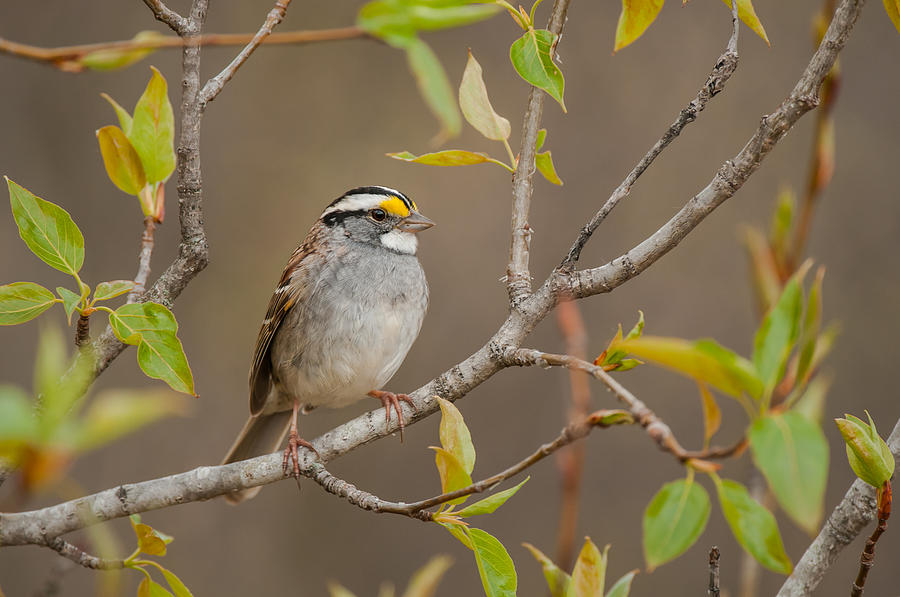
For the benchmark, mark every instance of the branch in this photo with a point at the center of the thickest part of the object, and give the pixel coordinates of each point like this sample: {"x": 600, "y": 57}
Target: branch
{"x": 733, "y": 173}
{"x": 853, "y": 514}
{"x": 658, "y": 430}
{"x": 140, "y": 279}
{"x": 215, "y": 85}
{"x": 175, "y": 21}
{"x": 80, "y": 557}
{"x": 715, "y": 83}
{"x": 518, "y": 276}
{"x": 67, "y": 57}
{"x": 713, "y": 590}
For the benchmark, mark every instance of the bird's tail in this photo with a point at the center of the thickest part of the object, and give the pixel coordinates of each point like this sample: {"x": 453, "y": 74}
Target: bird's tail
{"x": 262, "y": 434}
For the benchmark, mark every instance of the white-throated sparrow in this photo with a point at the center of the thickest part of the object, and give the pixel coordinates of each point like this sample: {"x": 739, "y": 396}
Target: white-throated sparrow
{"x": 346, "y": 311}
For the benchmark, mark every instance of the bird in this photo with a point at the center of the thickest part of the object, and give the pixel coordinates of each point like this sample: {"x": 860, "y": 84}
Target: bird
{"x": 346, "y": 311}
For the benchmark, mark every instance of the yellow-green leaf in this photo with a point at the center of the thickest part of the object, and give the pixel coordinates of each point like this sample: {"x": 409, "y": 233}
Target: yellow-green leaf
{"x": 622, "y": 587}
{"x": 70, "y": 301}
{"x": 792, "y": 453}
{"x": 161, "y": 356}
{"x": 589, "y": 574}
{"x": 557, "y": 580}
{"x": 125, "y": 120}
{"x": 544, "y": 163}
{"x": 747, "y": 13}
{"x": 448, "y": 157}
{"x": 426, "y": 579}
{"x": 47, "y": 229}
{"x": 764, "y": 270}
{"x": 490, "y": 503}
{"x": 116, "y": 413}
{"x": 893, "y": 10}
{"x": 476, "y": 106}
{"x": 530, "y": 56}
{"x": 712, "y": 414}
{"x": 496, "y": 568}
{"x": 455, "y": 436}
{"x": 129, "y": 322}
{"x": 150, "y": 588}
{"x": 634, "y": 19}
{"x": 112, "y": 59}
{"x": 23, "y": 301}
{"x": 434, "y": 86}
{"x": 453, "y": 475}
{"x": 702, "y": 360}
{"x": 149, "y": 542}
{"x": 753, "y": 526}
{"x": 339, "y": 590}
{"x": 178, "y": 587}
{"x": 674, "y": 520}
{"x": 153, "y": 130}
{"x": 108, "y": 290}
{"x": 121, "y": 160}
{"x": 777, "y": 335}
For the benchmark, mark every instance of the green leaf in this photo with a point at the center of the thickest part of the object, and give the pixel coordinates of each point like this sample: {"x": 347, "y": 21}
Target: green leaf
{"x": 623, "y": 586}
{"x": 634, "y": 19}
{"x": 455, "y": 437}
{"x": 747, "y": 14}
{"x": 161, "y": 356}
{"x": 868, "y": 454}
{"x": 47, "y": 229}
{"x": 496, "y": 568}
{"x": 152, "y": 328}
{"x": 108, "y": 290}
{"x": 544, "y": 163}
{"x": 129, "y": 322}
{"x": 453, "y": 475}
{"x": 703, "y": 360}
{"x": 17, "y": 422}
{"x": 541, "y": 137}
{"x": 116, "y": 413}
{"x": 121, "y": 160}
{"x": 149, "y": 541}
{"x": 777, "y": 334}
{"x": 753, "y": 526}
{"x": 530, "y": 56}
{"x": 178, "y": 587}
{"x": 23, "y": 301}
{"x": 766, "y": 281}
{"x": 458, "y": 531}
{"x": 153, "y": 130}
{"x": 812, "y": 321}
{"x": 782, "y": 222}
{"x": 70, "y": 301}
{"x": 113, "y": 59}
{"x": 557, "y": 580}
{"x": 476, "y": 106}
{"x": 150, "y": 588}
{"x": 638, "y": 328}
{"x": 674, "y": 520}
{"x": 792, "y": 453}
{"x": 893, "y": 10}
{"x": 448, "y": 157}
{"x": 426, "y": 579}
{"x": 490, "y": 503}
{"x": 443, "y": 15}
{"x": 434, "y": 86}
{"x": 125, "y": 120}
{"x": 589, "y": 574}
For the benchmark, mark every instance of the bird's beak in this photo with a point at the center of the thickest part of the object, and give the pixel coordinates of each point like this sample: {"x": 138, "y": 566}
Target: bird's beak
{"x": 414, "y": 222}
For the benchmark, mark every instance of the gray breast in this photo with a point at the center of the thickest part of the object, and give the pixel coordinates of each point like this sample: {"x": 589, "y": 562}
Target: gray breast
{"x": 353, "y": 331}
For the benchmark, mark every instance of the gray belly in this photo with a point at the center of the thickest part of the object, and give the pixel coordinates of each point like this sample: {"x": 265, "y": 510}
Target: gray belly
{"x": 352, "y": 333}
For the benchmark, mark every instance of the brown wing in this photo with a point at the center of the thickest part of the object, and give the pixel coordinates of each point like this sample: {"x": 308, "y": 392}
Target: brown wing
{"x": 290, "y": 287}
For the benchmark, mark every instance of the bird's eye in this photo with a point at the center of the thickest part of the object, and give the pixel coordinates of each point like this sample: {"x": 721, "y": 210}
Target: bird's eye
{"x": 379, "y": 215}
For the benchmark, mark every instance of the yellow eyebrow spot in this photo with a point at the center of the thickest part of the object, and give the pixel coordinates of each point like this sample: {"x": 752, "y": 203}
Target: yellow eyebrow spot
{"x": 395, "y": 206}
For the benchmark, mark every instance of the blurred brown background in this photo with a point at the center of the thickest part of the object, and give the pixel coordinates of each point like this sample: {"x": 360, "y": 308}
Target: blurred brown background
{"x": 299, "y": 125}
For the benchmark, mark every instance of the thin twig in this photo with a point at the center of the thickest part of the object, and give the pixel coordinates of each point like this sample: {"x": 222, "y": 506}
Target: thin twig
{"x": 658, "y": 430}
{"x": 67, "y": 57}
{"x": 80, "y": 557}
{"x": 713, "y": 590}
{"x": 163, "y": 13}
{"x": 518, "y": 275}
{"x": 867, "y": 560}
{"x": 217, "y": 83}
{"x": 140, "y": 279}
{"x": 715, "y": 83}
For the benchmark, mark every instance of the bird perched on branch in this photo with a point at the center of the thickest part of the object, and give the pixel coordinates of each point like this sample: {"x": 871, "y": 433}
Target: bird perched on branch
{"x": 346, "y": 311}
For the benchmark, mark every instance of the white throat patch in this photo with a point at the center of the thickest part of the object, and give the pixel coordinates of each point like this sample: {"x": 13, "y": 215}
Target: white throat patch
{"x": 402, "y": 242}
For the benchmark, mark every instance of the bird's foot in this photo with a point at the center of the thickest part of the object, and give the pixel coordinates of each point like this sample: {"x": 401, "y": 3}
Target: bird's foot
{"x": 392, "y": 400}
{"x": 292, "y": 455}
